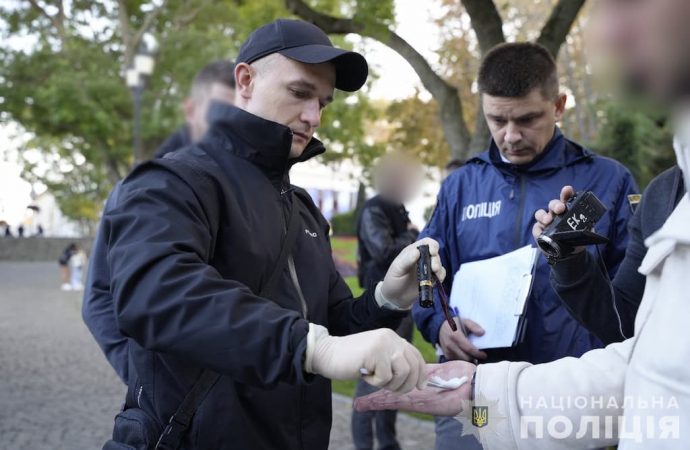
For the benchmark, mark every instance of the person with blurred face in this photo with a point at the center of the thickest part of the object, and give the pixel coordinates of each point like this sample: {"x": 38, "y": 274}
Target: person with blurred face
{"x": 486, "y": 209}
{"x": 383, "y": 230}
{"x": 222, "y": 274}
{"x": 640, "y": 384}
{"x": 214, "y": 82}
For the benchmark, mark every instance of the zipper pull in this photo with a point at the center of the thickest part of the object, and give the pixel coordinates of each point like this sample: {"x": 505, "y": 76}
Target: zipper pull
{"x": 512, "y": 193}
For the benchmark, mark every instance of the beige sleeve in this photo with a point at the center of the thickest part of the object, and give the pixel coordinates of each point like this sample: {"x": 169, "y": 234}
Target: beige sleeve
{"x": 531, "y": 406}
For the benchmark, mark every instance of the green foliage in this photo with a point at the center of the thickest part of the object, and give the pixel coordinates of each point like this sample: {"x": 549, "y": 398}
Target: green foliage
{"x": 67, "y": 88}
{"x": 344, "y": 224}
{"x": 416, "y": 129}
{"x": 638, "y": 137}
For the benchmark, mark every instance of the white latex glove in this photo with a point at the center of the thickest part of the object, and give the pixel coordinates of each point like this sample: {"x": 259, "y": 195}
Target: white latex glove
{"x": 400, "y": 286}
{"x": 392, "y": 362}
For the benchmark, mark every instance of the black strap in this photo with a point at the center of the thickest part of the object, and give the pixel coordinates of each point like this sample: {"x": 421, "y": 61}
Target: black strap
{"x": 172, "y": 435}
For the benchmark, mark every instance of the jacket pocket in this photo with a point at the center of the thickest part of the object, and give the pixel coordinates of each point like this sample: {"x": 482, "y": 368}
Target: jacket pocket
{"x": 134, "y": 430}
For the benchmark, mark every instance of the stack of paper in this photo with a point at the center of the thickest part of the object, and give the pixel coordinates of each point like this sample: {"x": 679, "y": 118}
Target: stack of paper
{"x": 492, "y": 292}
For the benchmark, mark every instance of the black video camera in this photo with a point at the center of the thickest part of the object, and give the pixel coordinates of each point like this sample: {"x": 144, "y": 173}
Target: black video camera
{"x": 573, "y": 228}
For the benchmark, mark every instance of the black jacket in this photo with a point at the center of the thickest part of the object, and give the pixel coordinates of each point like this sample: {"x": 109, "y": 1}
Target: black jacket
{"x": 191, "y": 238}
{"x": 180, "y": 138}
{"x": 382, "y": 233}
{"x": 585, "y": 289}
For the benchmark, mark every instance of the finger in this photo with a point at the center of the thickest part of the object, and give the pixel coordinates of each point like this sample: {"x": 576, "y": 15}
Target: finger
{"x": 420, "y": 365}
{"x": 400, "y": 370}
{"x": 567, "y": 193}
{"x": 467, "y": 347}
{"x": 379, "y": 400}
{"x": 543, "y": 218}
{"x": 382, "y": 373}
{"x": 473, "y": 327}
{"x": 557, "y": 206}
{"x": 452, "y": 351}
{"x": 432, "y": 243}
{"x": 382, "y": 400}
{"x": 416, "y": 370}
{"x": 537, "y": 230}
{"x": 437, "y": 268}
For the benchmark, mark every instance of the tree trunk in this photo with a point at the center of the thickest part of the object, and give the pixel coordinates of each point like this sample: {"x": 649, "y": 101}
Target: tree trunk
{"x": 488, "y": 26}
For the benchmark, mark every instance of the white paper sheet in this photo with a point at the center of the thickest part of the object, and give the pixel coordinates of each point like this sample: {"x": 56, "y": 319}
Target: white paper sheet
{"x": 492, "y": 292}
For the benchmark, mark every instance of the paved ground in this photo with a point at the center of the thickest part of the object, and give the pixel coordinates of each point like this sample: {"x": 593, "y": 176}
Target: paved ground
{"x": 56, "y": 389}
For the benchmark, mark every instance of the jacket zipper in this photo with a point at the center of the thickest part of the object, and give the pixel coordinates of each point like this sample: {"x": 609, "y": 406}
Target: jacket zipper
{"x": 521, "y": 212}
{"x": 298, "y": 288}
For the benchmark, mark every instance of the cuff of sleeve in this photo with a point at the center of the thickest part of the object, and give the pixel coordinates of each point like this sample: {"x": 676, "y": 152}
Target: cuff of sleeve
{"x": 570, "y": 268}
{"x": 383, "y": 302}
{"x": 436, "y": 323}
{"x": 314, "y": 335}
{"x": 495, "y": 389}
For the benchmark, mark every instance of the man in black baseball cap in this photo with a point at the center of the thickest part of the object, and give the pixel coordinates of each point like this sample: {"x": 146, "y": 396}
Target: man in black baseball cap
{"x": 306, "y": 43}
{"x": 222, "y": 274}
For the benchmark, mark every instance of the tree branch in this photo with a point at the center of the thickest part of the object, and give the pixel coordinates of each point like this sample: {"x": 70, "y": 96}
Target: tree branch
{"x": 486, "y": 22}
{"x": 126, "y": 30}
{"x": 558, "y": 24}
{"x": 57, "y": 21}
{"x": 450, "y": 106}
{"x": 148, "y": 21}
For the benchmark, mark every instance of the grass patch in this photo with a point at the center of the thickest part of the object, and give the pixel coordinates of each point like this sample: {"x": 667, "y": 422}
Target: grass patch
{"x": 345, "y": 248}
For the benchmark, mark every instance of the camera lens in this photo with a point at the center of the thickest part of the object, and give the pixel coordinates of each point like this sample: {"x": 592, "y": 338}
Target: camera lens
{"x": 549, "y": 246}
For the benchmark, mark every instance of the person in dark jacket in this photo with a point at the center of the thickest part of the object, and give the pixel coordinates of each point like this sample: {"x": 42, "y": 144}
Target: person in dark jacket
{"x": 486, "y": 209}
{"x": 191, "y": 241}
{"x": 214, "y": 82}
{"x": 384, "y": 229}
{"x": 608, "y": 307}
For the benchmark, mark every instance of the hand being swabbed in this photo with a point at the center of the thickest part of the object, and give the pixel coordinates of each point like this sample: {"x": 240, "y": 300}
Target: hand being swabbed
{"x": 431, "y": 399}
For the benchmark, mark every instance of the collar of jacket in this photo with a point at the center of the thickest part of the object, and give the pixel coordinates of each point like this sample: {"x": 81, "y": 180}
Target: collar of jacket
{"x": 559, "y": 153}
{"x": 260, "y": 141}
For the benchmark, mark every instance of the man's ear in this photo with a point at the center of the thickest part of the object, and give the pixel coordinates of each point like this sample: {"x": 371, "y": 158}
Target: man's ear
{"x": 560, "y": 106}
{"x": 244, "y": 80}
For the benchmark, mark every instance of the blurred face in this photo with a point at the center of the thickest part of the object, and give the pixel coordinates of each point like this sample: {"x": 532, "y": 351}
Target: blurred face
{"x": 196, "y": 106}
{"x": 649, "y": 39}
{"x": 522, "y": 127}
{"x": 288, "y": 92}
{"x": 398, "y": 179}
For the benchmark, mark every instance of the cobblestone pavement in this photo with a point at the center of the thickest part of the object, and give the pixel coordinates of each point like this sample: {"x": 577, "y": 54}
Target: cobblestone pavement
{"x": 56, "y": 389}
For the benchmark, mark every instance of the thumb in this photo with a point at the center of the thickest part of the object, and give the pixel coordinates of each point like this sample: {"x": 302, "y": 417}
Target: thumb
{"x": 473, "y": 327}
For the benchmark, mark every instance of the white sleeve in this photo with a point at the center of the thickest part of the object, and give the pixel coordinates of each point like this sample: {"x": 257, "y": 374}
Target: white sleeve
{"x": 534, "y": 406}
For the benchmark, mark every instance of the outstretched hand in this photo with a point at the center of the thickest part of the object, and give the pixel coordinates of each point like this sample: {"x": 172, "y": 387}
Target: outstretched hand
{"x": 430, "y": 400}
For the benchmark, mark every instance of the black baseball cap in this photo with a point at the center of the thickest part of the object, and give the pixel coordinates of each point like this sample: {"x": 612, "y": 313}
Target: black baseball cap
{"x": 306, "y": 43}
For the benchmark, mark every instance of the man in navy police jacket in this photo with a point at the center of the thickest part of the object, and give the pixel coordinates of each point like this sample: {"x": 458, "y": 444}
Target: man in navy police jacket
{"x": 486, "y": 208}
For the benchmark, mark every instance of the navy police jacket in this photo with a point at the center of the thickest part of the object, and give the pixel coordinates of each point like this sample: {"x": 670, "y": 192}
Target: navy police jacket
{"x": 190, "y": 241}
{"x": 486, "y": 209}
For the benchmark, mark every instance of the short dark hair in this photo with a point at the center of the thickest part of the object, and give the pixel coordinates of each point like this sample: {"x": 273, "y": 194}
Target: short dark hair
{"x": 515, "y": 69}
{"x": 221, "y": 71}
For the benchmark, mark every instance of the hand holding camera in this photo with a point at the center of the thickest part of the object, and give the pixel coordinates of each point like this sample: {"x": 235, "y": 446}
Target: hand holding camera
{"x": 568, "y": 226}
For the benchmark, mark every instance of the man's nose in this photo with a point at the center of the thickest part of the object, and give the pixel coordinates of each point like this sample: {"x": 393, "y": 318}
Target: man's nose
{"x": 513, "y": 133}
{"x": 312, "y": 113}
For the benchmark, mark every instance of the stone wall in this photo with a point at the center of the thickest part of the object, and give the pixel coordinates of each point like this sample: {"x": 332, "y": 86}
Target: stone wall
{"x": 38, "y": 248}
